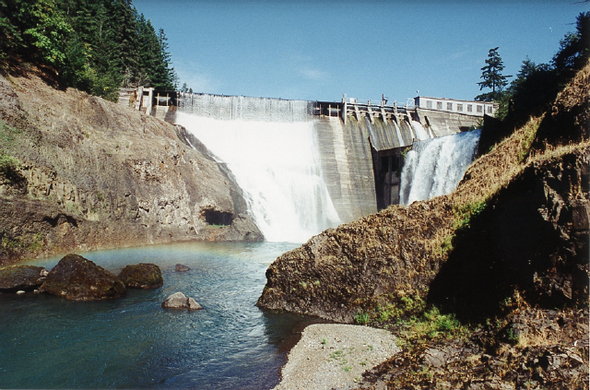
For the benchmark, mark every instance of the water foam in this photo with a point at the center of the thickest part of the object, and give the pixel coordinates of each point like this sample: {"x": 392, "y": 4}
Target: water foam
{"x": 277, "y": 165}
{"x": 435, "y": 166}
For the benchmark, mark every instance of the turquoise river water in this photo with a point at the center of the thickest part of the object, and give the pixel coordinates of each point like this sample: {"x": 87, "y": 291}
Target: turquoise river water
{"x": 49, "y": 342}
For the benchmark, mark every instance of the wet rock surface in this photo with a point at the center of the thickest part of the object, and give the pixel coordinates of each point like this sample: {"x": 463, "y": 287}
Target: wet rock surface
{"x": 79, "y": 279}
{"x": 182, "y": 268}
{"x": 179, "y": 301}
{"x": 21, "y": 277}
{"x": 143, "y": 275}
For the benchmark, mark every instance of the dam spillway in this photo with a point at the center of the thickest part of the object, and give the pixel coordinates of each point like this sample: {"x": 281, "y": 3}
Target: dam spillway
{"x": 336, "y": 160}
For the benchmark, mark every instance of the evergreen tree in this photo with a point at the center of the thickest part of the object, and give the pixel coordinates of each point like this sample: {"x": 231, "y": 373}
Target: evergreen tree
{"x": 10, "y": 36}
{"x": 166, "y": 77}
{"x": 98, "y": 46}
{"x": 532, "y": 91}
{"x": 574, "y": 48}
{"x": 492, "y": 77}
{"x": 123, "y": 43}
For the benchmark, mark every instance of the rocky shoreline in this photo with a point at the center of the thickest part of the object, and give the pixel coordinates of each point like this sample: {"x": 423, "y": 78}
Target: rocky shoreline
{"x": 76, "y": 278}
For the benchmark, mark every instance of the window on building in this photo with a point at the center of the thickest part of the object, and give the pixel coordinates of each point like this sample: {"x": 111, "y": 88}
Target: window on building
{"x": 450, "y": 106}
{"x": 429, "y": 104}
{"x": 479, "y": 109}
{"x": 439, "y": 106}
{"x": 459, "y": 107}
{"x": 490, "y": 110}
{"x": 469, "y": 108}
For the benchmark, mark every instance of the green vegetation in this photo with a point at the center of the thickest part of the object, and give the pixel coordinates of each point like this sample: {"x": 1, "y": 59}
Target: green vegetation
{"x": 431, "y": 324}
{"x": 97, "y": 46}
{"x": 361, "y": 318}
{"x": 7, "y": 135}
{"x": 536, "y": 85}
{"x": 465, "y": 213}
{"x": 406, "y": 305}
{"x": 492, "y": 77}
{"x": 339, "y": 356}
{"x": 9, "y": 168}
{"x": 31, "y": 243}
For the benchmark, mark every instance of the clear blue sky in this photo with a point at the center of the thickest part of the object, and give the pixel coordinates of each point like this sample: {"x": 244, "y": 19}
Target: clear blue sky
{"x": 318, "y": 50}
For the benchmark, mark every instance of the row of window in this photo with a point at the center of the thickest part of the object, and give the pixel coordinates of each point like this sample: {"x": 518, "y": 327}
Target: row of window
{"x": 460, "y": 107}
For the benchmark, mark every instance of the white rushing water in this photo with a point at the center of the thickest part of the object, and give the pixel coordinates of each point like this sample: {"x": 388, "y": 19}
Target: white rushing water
{"x": 277, "y": 165}
{"x": 435, "y": 166}
{"x": 421, "y": 133}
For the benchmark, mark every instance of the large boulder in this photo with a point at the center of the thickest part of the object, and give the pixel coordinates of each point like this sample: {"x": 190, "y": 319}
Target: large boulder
{"x": 79, "y": 279}
{"x": 179, "y": 301}
{"x": 21, "y": 277}
{"x": 142, "y": 275}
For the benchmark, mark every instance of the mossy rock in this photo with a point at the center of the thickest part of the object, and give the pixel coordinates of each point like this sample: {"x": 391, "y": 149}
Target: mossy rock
{"x": 79, "y": 279}
{"x": 21, "y": 277}
{"x": 142, "y": 275}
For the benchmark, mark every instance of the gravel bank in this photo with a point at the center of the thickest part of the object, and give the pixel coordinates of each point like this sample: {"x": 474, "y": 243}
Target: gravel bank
{"x": 333, "y": 356}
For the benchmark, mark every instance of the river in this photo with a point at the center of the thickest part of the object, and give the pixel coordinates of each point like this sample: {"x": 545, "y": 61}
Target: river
{"x": 49, "y": 342}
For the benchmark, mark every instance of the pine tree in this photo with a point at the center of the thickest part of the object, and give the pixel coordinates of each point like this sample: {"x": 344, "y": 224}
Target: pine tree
{"x": 492, "y": 77}
{"x": 97, "y": 46}
{"x": 574, "y": 48}
{"x": 166, "y": 75}
{"x": 123, "y": 45}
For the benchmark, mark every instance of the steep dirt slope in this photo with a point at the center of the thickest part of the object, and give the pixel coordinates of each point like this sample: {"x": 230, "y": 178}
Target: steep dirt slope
{"x": 78, "y": 172}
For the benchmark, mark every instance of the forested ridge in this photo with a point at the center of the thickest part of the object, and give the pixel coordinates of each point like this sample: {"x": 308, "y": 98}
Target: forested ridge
{"x": 97, "y": 46}
{"x": 536, "y": 85}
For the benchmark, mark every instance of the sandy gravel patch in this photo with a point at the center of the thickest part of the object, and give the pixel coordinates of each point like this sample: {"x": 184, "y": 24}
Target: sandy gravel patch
{"x": 333, "y": 356}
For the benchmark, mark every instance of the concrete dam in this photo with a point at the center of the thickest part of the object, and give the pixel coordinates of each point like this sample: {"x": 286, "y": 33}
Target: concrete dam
{"x": 309, "y": 165}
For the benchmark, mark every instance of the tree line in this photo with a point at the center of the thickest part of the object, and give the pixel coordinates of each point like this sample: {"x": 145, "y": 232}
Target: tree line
{"x": 97, "y": 46}
{"x": 536, "y": 85}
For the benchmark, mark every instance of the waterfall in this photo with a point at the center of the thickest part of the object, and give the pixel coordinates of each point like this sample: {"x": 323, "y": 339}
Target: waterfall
{"x": 435, "y": 166}
{"x": 398, "y": 133}
{"x": 276, "y": 163}
{"x": 421, "y": 133}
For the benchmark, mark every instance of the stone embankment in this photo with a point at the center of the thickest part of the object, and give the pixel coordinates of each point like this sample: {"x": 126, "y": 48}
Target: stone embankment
{"x": 80, "y": 173}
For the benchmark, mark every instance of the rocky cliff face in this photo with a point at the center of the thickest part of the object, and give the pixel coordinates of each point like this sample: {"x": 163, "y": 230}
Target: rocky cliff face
{"x": 486, "y": 288}
{"x": 78, "y": 173}
{"x": 531, "y": 235}
{"x": 518, "y": 221}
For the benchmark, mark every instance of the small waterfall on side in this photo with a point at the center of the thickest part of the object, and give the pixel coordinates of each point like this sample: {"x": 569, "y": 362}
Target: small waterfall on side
{"x": 421, "y": 133}
{"x": 435, "y": 166}
{"x": 277, "y": 165}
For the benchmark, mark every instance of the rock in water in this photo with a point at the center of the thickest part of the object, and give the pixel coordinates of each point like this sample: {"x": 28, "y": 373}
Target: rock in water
{"x": 142, "y": 275}
{"x": 21, "y": 277}
{"x": 182, "y": 268}
{"x": 179, "y": 301}
{"x": 79, "y": 279}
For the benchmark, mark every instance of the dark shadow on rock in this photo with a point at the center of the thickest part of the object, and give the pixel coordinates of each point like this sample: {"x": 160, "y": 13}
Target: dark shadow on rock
{"x": 530, "y": 236}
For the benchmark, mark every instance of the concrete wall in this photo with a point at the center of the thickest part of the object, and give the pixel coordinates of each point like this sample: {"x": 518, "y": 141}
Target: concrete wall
{"x": 446, "y": 123}
{"x": 348, "y": 166}
{"x": 360, "y": 151}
